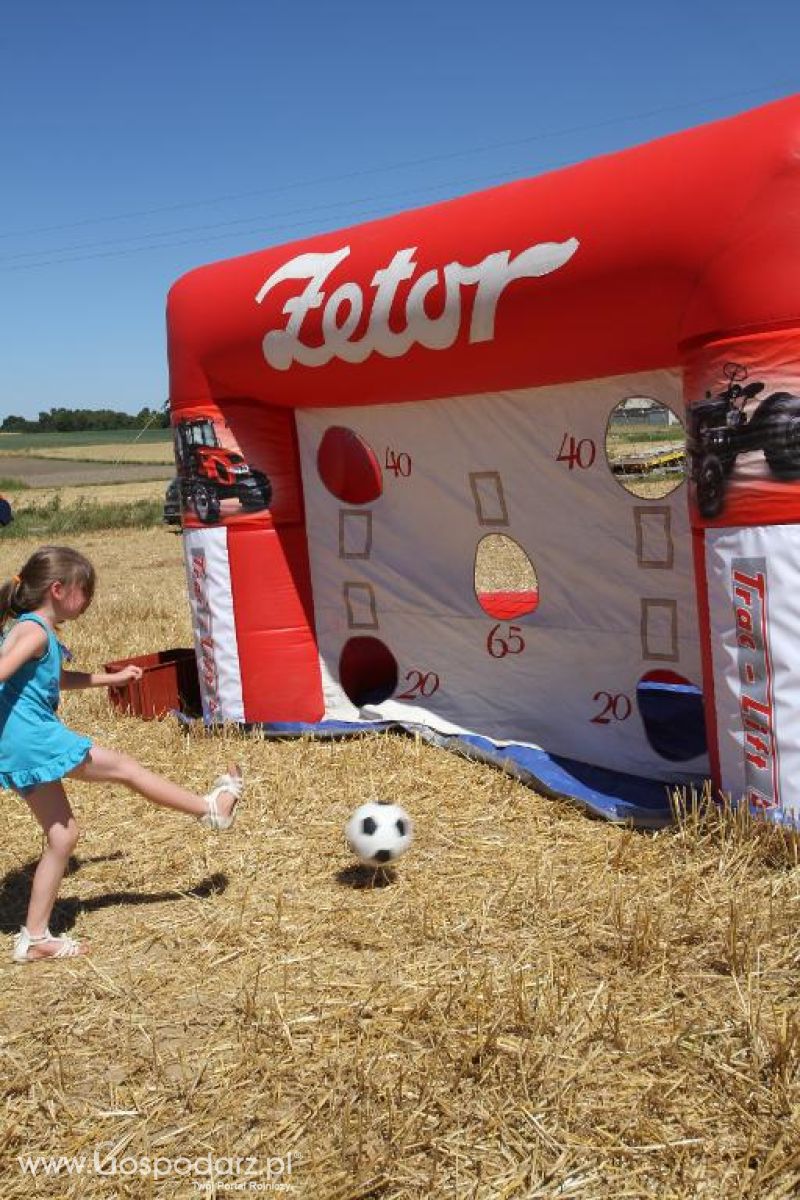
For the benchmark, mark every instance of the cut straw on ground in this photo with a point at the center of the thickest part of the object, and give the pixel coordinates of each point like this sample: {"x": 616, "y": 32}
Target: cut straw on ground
{"x": 535, "y": 1004}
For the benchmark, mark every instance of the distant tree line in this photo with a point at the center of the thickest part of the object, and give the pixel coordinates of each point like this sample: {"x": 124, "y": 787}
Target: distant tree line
{"x": 70, "y": 420}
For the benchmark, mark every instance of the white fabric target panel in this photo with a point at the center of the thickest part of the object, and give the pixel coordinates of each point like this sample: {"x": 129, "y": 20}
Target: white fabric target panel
{"x": 615, "y": 576}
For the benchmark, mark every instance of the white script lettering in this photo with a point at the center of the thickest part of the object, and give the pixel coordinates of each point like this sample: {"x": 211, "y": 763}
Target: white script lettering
{"x": 343, "y": 308}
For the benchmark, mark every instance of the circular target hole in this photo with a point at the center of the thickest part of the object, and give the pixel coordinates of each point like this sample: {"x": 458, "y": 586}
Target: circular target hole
{"x": 506, "y": 584}
{"x": 367, "y": 671}
{"x": 671, "y": 708}
{"x": 646, "y": 447}
{"x": 348, "y": 466}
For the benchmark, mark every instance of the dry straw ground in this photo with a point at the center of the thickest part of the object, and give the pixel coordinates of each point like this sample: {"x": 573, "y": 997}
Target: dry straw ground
{"x": 537, "y": 1005}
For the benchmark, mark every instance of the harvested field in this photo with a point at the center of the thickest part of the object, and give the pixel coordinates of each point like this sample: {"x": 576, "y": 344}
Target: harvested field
{"x": 107, "y": 452}
{"x": 537, "y": 1005}
{"x": 55, "y": 473}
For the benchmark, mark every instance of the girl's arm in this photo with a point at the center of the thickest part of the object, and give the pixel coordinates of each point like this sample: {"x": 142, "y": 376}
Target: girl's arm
{"x": 81, "y": 679}
{"x": 25, "y": 641}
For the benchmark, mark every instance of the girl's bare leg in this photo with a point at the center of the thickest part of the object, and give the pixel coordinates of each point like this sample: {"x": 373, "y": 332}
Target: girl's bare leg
{"x": 108, "y": 766}
{"x": 50, "y": 806}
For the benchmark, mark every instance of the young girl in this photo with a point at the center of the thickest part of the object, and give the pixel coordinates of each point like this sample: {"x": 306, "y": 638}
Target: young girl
{"x": 37, "y": 751}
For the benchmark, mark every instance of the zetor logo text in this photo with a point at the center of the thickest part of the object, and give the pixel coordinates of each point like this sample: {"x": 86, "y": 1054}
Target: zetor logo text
{"x": 343, "y": 308}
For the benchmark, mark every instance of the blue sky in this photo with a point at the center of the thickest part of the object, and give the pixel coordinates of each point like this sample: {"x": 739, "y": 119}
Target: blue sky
{"x": 140, "y": 140}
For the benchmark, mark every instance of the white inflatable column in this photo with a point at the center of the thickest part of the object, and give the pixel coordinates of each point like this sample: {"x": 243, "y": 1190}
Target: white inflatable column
{"x": 744, "y": 442}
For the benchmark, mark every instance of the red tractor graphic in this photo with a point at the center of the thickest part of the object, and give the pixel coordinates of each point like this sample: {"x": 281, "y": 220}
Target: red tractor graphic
{"x": 209, "y": 473}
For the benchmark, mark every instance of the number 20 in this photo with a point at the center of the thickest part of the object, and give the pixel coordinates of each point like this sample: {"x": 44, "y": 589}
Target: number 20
{"x": 422, "y": 683}
{"x": 615, "y": 708}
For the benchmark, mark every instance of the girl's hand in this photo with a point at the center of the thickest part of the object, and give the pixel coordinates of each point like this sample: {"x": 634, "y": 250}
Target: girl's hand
{"x": 125, "y": 675}
{"x": 79, "y": 679}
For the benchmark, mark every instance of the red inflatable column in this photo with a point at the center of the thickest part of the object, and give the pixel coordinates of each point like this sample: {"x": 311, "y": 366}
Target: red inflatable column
{"x": 247, "y": 562}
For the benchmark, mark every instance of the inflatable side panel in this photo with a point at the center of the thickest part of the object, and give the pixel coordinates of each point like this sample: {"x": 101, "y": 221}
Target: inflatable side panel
{"x": 743, "y": 418}
{"x": 753, "y": 579}
{"x": 210, "y": 587}
{"x": 274, "y": 606}
{"x": 274, "y": 625}
{"x": 246, "y": 553}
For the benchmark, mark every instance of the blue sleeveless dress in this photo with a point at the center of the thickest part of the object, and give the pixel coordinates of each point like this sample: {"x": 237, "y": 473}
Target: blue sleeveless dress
{"x": 35, "y": 747}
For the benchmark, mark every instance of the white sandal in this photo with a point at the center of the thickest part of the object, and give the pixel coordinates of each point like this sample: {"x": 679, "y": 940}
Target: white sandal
{"x": 68, "y": 947}
{"x": 213, "y": 819}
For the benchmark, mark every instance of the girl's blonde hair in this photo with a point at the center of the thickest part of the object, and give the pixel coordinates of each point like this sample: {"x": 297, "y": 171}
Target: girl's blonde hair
{"x": 50, "y": 564}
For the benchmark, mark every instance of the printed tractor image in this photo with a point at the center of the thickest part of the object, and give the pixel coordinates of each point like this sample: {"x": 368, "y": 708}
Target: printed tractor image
{"x": 209, "y": 473}
{"x": 720, "y": 430}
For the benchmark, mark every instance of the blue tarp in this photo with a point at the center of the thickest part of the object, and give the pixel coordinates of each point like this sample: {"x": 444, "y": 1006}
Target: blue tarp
{"x": 610, "y": 794}
{"x": 672, "y": 716}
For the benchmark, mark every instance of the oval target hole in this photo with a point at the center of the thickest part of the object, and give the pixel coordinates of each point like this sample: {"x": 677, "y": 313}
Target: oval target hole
{"x": 671, "y": 708}
{"x": 367, "y": 671}
{"x": 646, "y": 447}
{"x": 506, "y": 584}
{"x": 348, "y": 466}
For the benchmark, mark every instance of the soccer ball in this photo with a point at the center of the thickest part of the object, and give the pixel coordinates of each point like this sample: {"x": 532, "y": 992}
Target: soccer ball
{"x": 379, "y": 832}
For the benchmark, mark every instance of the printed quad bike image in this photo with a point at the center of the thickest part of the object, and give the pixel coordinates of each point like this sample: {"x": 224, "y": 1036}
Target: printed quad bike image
{"x": 209, "y": 473}
{"x": 720, "y": 429}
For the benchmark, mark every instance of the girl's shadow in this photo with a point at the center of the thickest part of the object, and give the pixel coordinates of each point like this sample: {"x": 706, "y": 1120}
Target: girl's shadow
{"x": 15, "y": 890}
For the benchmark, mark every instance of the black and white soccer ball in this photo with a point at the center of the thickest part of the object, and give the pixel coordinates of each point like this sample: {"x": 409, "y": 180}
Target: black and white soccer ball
{"x": 379, "y": 833}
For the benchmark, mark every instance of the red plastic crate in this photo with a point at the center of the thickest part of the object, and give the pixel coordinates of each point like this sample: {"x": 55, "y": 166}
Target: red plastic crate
{"x": 169, "y": 681}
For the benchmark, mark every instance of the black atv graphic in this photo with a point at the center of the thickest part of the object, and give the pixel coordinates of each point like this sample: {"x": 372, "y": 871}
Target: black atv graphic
{"x": 720, "y": 430}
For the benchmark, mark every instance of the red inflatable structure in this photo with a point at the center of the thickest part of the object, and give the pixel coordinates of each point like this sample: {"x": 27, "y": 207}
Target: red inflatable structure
{"x": 357, "y": 413}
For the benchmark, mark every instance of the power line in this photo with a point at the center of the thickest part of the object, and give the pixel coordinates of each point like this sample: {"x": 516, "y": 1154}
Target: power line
{"x": 426, "y": 161}
{"x": 447, "y": 186}
{"x": 261, "y": 230}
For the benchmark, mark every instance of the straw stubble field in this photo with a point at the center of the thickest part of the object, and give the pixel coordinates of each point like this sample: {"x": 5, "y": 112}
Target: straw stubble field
{"x": 536, "y": 1005}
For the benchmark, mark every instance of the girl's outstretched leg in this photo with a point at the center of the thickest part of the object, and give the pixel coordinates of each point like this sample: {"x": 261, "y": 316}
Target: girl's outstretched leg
{"x": 109, "y": 766}
{"x": 50, "y": 806}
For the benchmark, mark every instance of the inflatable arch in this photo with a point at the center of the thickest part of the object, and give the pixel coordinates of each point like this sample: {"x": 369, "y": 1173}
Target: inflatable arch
{"x": 359, "y": 416}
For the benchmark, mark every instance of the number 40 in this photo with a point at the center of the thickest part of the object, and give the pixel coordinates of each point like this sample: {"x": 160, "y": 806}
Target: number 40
{"x": 398, "y": 464}
{"x": 578, "y": 454}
